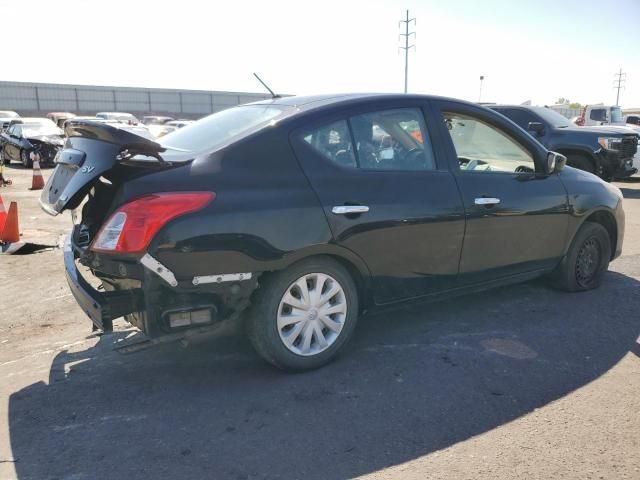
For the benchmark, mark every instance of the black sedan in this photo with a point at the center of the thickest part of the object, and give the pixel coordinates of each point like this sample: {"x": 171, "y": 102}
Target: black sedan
{"x": 31, "y": 135}
{"x": 293, "y": 216}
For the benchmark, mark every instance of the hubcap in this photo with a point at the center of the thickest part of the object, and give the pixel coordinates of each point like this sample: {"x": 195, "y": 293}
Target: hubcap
{"x": 311, "y": 314}
{"x": 588, "y": 261}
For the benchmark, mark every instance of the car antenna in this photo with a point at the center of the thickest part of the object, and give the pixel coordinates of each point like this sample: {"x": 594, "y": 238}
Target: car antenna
{"x": 273, "y": 95}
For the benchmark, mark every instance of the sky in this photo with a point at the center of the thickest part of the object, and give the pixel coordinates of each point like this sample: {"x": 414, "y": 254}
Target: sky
{"x": 526, "y": 50}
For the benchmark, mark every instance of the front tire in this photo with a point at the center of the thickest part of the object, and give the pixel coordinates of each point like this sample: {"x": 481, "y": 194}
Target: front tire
{"x": 26, "y": 160}
{"x": 586, "y": 261}
{"x": 304, "y": 315}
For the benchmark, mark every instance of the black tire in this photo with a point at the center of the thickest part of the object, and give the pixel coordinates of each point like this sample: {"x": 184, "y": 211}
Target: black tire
{"x": 25, "y": 159}
{"x": 3, "y": 160}
{"x": 263, "y": 316}
{"x": 581, "y": 162}
{"x": 586, "y": 261}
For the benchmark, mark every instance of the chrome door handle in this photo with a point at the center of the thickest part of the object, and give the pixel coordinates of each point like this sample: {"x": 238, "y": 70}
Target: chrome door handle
{"x": 487, "y": 201}
{"x": 345, "y": 209}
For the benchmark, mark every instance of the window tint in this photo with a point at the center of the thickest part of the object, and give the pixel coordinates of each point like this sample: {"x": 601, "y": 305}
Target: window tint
{"x": 481, "y": 147}
{"x": 633, "y": 120}
{"x": 333, "y": 141}
{"x": 17, "y": 130}
{"x": 392, "y": 140}
{"x": 10, "y": 130}
{"x": 598, "y": 114}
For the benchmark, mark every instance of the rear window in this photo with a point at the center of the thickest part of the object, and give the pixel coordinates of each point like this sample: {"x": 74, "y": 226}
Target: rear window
{"x": 221, "y": 128}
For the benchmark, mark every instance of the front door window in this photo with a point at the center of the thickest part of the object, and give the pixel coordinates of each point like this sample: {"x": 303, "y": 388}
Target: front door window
{"x": 483, "y": 148}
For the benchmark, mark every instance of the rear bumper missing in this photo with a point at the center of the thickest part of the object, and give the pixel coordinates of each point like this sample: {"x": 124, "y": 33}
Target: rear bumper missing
{"x": 101, "y": 307}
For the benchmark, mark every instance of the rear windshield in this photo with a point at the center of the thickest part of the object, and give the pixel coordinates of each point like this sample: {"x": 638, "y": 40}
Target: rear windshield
{"x": 219, "y": 129}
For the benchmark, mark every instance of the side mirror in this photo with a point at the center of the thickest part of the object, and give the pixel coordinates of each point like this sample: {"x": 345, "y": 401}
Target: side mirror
{"x": 555, "y": 162}
{"x": 536, "y": 127}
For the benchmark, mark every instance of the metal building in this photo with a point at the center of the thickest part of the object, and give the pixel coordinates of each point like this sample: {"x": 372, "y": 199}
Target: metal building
{"x": 38, "y": 99}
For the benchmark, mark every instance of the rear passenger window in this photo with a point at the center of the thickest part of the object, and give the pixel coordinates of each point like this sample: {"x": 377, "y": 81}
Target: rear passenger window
{"x": 392, "y": 140}
{"x": 333, "y": 141}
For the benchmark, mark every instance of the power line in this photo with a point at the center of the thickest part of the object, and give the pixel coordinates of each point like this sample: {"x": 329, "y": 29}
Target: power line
{"x": 622, "y": 77}
{"x": 406, "y": 47}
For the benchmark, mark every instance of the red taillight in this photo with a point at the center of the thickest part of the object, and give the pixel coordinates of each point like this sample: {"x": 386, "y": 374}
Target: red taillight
{"x": 132, "y": 226}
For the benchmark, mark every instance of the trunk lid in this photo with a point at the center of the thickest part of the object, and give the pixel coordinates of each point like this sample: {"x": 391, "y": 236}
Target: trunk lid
{"x": 92, "y": 149}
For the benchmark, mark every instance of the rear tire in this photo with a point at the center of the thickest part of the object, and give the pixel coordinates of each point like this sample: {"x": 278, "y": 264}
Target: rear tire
{"x": 24, "y": 157}
{"x": 586, "y": 261}
{"x": 302, "y": 317}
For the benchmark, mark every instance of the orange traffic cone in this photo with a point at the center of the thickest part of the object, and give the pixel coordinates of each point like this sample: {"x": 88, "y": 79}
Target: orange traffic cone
{"x": 10, "y": 232}
{"x": 3, "y": 214}
{"x": 37, "y": 182}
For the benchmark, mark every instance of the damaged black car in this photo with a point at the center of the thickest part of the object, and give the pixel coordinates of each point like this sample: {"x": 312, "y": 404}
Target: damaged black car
{"x": 292, "y": 216}
{"x": 28, "y": 136}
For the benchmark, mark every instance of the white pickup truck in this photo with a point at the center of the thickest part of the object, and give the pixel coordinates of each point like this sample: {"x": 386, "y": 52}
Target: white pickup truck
{"x": 608, "y": 115}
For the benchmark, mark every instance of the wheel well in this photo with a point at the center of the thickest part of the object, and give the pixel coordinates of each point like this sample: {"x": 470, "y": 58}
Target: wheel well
{"x": 607, "y": 220}
{"x": 358, "y": 278}
{"x": 566, "y": 152}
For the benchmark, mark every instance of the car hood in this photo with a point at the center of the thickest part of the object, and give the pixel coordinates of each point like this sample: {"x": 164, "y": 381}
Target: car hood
{"x": 53, "y": 139}
{"x": 603, "y": 130}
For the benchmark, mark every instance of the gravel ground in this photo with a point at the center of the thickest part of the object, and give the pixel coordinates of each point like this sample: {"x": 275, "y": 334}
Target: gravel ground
{"x": 521, "y": 382}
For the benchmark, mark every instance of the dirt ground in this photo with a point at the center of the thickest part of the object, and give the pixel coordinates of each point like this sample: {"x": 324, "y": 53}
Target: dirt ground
{"x": 518, "y": 383}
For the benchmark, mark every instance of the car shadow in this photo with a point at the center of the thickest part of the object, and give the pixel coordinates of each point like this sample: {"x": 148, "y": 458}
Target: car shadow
{"x": 414, "y": 381}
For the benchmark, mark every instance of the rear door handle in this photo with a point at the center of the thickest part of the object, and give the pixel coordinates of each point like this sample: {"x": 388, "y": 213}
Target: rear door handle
{"x": 346, "y": 209}
{"x": 487, "y": 201}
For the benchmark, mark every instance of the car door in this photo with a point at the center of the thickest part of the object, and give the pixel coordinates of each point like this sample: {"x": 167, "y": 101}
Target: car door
{"x": 388, "y": 196}
{"x": 517, "y": 215}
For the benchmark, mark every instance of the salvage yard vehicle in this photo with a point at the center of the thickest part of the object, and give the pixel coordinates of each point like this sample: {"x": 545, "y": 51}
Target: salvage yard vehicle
{"x": 27, "y": 135}
{"x": 606, "y": 151}
{"x": 60, "y": 117}
{"x": 293, "y": 216}
{"x": 121, "y": 117}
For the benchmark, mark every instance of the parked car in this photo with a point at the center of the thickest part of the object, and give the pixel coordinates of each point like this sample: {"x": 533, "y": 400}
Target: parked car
{"x": 119, "y": 117}
{"x": 6, "y": 116}
{"x": 155, "y": 120}
{"x": 180, "y": 123}
{"x": 606, "y": 151}
{"x": 60, "y": 117}
{"x": 27, "y": 135}
{"x": 628, "y": 120}
{"x": 287, "y": 217}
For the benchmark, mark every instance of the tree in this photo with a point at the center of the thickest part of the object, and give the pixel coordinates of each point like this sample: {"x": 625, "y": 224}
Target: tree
{"x": 562, "y": 101}
{"x": 575, "y": 105}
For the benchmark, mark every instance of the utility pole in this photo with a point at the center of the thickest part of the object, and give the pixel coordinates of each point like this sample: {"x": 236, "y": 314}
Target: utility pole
{"x": 621, "y": 79}
{"x": 406, "y": 47}
{"x": 480, "y": 94}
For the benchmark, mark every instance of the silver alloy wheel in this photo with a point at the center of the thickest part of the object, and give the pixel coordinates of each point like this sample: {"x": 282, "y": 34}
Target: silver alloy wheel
{"x": 311, "y": 314}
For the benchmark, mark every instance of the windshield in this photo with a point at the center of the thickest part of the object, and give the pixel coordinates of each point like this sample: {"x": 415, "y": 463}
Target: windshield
{"x": 40, "y": 128}
{"x": 616, "y": 115}
{"x": 220, "y": 128}
{"x": 554, "y": 118}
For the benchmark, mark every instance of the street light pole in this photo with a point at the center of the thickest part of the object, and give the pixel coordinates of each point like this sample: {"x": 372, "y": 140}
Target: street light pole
{"x": 480, "y": 94}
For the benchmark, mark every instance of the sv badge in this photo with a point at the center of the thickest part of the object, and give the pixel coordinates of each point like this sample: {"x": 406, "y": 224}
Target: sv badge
{"x": 87, "y": 169}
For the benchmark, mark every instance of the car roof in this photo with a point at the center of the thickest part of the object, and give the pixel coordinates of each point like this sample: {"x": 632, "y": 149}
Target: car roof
{"x": 313, "y": 102}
